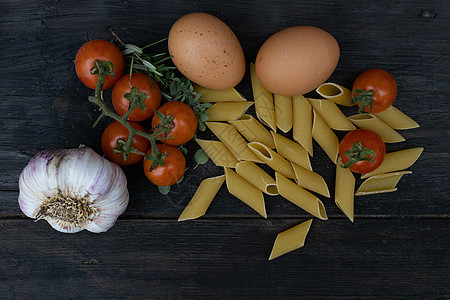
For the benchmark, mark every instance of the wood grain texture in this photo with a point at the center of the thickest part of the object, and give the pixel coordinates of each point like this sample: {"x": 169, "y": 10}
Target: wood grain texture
{"x": 397, "y": 247}
{"x": 165, "y": 259}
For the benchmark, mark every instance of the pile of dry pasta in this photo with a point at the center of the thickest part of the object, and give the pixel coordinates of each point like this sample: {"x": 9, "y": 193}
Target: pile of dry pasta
{"x": 245, "y": 141}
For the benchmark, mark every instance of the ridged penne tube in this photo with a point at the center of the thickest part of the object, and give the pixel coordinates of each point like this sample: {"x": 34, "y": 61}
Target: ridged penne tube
{"x": 331, "y": 114}
{"x": 283, "y": 112}
{"x": 371, "y": 122}
{"x": 300, "y": 197}
{"x": 272, "y": 159}
{"x": 336, "y": 93}
{"x": 209, "y": 95}
{"x": 302, "y": 121}
{"x": 227, "y": 111}
{"x": 290, "y": 239}
{"x": 325, "y": 137}
{"x": 292, "y": 151}
{"x": 344, "y": 195}
{"x": 257, "y": 176}
{"x": 228, "y": 135}
{"x": 396, "y": 161}
{"x": 382, "y": 183}
{"x": 202, "y": 198}
{"x": 265, "y": 110}
{"x": 310, "y": 180}
{"x": 245, "y": 191}
{"x": 253, "y": 131}
{"x": 396, "y": 119}
{"x": 218, "y": 153}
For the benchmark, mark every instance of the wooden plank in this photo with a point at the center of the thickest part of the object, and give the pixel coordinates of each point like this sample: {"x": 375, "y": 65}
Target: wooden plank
{"x": 227, "y": 258}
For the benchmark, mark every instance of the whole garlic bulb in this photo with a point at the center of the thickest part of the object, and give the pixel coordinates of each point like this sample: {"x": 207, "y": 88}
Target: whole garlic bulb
{"x": 73, "y": 189}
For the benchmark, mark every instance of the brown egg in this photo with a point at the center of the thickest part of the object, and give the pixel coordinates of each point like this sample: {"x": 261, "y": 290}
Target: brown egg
{"x": 296, "y": 60}
{"x": 206, "y": 51}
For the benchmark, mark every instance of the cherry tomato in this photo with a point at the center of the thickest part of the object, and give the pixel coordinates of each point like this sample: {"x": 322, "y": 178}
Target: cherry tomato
{"x": 173, "y": 169}
{"x": 368, "y": 139}
{"x": 143, "y": 85}
{"x": 381, "y": 83}
{"x": 116, "y": 131}
{"x": 104, "y": 51}
{"x": 184, "y": 122}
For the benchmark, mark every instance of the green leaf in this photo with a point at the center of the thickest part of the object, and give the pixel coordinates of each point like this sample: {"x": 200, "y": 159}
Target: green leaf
{"x": 130, "y": 48}
{"x": 164, "y": 189}
{"x": 203, "y": 117}
{"x": 201, "y": 157}
{"x": 201, "y": 126}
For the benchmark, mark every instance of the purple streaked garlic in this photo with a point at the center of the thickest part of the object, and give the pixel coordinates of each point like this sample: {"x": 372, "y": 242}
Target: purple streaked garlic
{"x": 73, "y": 189}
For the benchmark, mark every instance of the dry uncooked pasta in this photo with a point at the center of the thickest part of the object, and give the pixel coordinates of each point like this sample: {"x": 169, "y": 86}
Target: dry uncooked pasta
{"x": 336, "y": 93}
{"x": 265, "y": 110}
{"x": 382, "y": 183}
{"x": 208, "y": 95}
{"x": 290, "y": 239}
{"x": 302, "y": 121}
{"x": 283, "y": 112}
{"x": 253, "y": 131}
{"x": 245, "y": 191}
{"x": 331, "y": 114}
{"x": 396, "y": 119}
{"x": 202, "y": 198}
{"x": 227, "y": 111}
{"x": 300, "y": 197}
{"x": 344, "y": 190}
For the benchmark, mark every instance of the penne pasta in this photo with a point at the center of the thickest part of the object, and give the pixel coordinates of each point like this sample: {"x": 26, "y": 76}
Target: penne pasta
{"x": 292, "y": 151}
{"x": 227, "y": 111}
{"x": 325, "y": 137}
{"x": 371, "y": 122}
{"x": 382, "y": 183}
{"x": 396, "y": 119}
{"x": 336, "y": 93}
{"x": 202, "y": 198}
{"x": 283, "y": 112}
{"x": 331, "y": 114}
{"x": 257, "y": 176}
{"x": 290, "y": 240}
{"x": 302, "y": 123}
{"x": 208, "y": 95}
{"x": 253, "y": 131}
{"x": 300, "y": 197}
{"x": 264, "y": 107}
{"x": 272, "y": 159}
{"x": 218, "y": 153}
{"x": 344, "y": 190}
{"x": 228, "y": 135}
{"x": 396, "y": 161}
{"x": 245, "y": 191}
{"x": 310, "y": 180}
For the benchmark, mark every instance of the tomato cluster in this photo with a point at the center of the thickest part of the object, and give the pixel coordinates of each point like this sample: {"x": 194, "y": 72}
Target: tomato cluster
{"x": 146, "y": 93}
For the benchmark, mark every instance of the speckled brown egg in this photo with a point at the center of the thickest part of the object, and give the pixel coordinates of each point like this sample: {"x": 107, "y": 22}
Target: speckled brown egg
{"x": 296, "y": 60}
{"x": 206, "y": 51}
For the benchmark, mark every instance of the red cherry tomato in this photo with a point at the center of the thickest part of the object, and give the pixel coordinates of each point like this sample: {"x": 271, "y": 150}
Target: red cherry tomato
{"x": 184, "y": 121}
{"x": 173, "y": 169}
{"x": 381, "y": 83}
{"x": 116, "y": 131}
{"x": 368, "y": 139}
{"x": 143, "y": 84}
{"x": 104, "y": 51}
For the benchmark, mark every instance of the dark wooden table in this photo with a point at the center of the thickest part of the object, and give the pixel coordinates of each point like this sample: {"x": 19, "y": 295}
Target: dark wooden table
{"x": 398, "y": 245}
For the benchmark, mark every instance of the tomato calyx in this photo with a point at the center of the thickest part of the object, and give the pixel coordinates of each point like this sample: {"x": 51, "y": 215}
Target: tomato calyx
{"x": 102, "y": 69}
{"x": 124, "y": 149}
{"x": 364, "y": 97}
{"x": 358, "y": 153}
{"x": 136, "y": 98}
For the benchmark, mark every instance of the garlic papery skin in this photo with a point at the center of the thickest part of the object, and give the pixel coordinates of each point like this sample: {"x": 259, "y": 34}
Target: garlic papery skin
{"x": 73, "y": 189}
